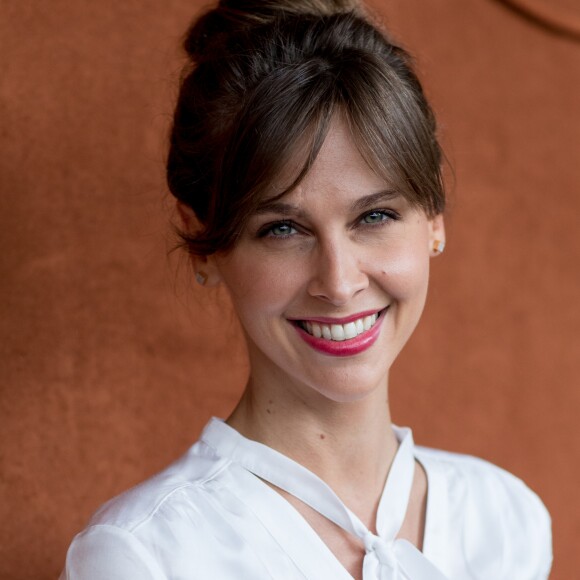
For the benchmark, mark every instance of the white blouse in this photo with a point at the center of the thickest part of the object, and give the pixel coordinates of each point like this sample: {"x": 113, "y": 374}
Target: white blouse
{"x": 211, "y": 515}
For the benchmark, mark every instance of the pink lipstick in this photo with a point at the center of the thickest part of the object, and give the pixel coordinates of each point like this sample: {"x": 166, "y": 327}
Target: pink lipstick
{"x": 339, "y": 346}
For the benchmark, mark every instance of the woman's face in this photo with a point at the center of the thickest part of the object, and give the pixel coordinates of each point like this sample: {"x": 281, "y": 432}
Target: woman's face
{"x": 330, "y": 280}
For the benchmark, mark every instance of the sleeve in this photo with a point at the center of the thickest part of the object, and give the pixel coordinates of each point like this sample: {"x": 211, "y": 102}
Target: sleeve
{"x": 528, "y": 529}
{"x": 508, "y": 529}
{"x": 104, "y": 552}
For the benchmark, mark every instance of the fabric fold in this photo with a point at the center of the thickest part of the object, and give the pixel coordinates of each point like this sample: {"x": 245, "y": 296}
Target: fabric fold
{"x": 386, "y": 558}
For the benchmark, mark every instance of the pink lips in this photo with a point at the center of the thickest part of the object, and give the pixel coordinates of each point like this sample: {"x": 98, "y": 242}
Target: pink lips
{"x": 347, "y": 347}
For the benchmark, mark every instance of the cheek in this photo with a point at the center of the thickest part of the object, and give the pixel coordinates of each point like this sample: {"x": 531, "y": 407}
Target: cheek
{"x": 261, "y": 285}
{"x": 406, "y": 274}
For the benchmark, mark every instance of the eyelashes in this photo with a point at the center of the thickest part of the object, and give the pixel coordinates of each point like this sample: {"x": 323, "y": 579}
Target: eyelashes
{"x": 284, "y": 229}
{"x": 281, "y": 229}
{"x": 379, "y": 216}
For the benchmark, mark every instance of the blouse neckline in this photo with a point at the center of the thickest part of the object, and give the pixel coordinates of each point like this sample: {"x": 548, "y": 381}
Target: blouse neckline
{"x": 386, "y": 558}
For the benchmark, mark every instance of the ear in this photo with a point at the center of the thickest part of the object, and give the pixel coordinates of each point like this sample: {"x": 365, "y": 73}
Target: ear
{"x": 436, "y": 235}
{"x": 189, "y": 221}
{"x": 205, "y": 267}
{"x": 206, "y": 271}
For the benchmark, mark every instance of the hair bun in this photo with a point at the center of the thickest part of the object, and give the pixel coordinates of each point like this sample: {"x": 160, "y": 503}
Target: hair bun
{"x": 265, "y": 9}
{"x": 210, "y": 33}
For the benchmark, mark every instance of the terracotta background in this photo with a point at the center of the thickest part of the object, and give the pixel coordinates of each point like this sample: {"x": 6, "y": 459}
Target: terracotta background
{"x": 110, "y": 364}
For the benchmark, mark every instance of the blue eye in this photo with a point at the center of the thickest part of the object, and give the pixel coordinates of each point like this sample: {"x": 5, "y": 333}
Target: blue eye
{"x": 377, "y": 216}
{"x": 282, "y": 229}
{"x": 278, "y": 230}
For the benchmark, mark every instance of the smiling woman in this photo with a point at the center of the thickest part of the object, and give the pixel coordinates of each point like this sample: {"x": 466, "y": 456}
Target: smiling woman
{"x": 343, "y": 248}
{"x": 307, "y": 171}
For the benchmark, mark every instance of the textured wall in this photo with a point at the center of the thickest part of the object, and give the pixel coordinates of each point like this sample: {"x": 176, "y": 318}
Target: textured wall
{"x": 110, "y": 364}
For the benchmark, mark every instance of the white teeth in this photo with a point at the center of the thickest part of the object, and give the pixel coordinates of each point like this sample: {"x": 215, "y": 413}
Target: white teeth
{"x": 350, "y": 330}
{"x": 340, "y": 332}
{"x": 337, "y": 332}
{"x": 369, "y": 321}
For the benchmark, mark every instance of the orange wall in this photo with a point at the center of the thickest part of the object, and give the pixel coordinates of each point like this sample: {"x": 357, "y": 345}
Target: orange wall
{"x": 110, "y": 364}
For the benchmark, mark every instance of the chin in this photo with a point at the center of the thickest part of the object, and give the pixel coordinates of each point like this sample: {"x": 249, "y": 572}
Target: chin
{"x": 336, "y": 379}
{"x": 348, "y": 395}
{"x": 349, "y": 387}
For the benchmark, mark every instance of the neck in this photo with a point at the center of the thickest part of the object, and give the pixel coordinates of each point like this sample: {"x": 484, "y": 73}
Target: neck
{"x": 349, "y": 445}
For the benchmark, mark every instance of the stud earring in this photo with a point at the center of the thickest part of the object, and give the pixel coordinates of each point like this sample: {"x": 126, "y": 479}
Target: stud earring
{"x": 201, "y": 278}
{"x": 438, "y": 246}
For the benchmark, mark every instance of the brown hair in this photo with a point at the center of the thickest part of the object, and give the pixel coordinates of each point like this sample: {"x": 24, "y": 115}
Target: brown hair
{"x": 265, "y": 76}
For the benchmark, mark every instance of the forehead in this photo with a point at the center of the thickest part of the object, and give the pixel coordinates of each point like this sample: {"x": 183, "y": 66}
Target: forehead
{"x": 339, "y": 167}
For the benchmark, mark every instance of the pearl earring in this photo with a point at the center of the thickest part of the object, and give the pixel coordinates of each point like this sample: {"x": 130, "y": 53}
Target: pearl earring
{"x": 201, "y": 278}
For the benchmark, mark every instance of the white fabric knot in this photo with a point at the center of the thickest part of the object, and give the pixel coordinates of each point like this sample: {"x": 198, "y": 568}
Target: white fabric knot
{"x": 386, "y": 564}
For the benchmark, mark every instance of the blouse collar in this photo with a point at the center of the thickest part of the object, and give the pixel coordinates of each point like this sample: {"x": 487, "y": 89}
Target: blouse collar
{"x": 387, "y": 558}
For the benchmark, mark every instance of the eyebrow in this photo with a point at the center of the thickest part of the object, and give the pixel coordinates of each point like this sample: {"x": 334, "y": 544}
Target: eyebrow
{"x": 279, "y": 207}
{"x": 373, "y": 198}
{"x": 362, "y": 203}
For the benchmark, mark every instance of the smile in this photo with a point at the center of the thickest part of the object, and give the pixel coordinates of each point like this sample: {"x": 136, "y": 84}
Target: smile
{"x": 345, "y": 337}
{"x": 340, "y": 332}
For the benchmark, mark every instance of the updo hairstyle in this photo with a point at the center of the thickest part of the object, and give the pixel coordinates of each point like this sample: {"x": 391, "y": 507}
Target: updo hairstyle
{"x": 265, "y": 79}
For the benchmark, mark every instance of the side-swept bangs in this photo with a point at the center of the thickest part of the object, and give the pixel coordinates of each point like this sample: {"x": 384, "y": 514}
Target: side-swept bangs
{"x": 308, "y": 69}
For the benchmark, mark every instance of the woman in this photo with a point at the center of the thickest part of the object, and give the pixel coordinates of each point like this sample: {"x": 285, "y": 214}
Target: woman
{"x": 307, "y": 172}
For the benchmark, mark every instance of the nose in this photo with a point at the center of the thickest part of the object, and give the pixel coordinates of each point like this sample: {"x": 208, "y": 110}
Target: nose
{"x": 337, "y": 273}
